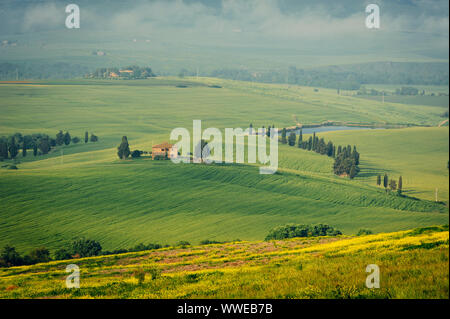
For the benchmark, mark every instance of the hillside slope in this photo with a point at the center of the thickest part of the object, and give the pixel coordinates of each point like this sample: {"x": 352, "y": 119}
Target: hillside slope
{"x": 413, "y": 264}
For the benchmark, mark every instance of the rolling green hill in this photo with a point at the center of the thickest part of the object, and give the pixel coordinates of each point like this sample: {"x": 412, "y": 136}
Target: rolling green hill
{"x": 88, "y": 192}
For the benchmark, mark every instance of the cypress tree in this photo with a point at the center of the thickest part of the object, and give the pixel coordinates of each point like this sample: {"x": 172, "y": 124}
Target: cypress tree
{"x": 24, "y": 149}
{"x": 283, "y": 136}
{"x": 300, "y": 139}
{"x": 352, "y": 172}
{"x": 292, "y": 138}
{"x": 44, "y": 145}
{"x": 250, "y": 129}
{"x": 35, "y": 148}
{"x": 3, "y": 149}
{"x": 385, "y": 181}
{"x": 400, "y": 185}
{"x": 355, "y": 155}
{"x": 378, "y": 180}
{"x": 309, "y": 143}
{"x": 86, "y": 137}
{"x": 67, "y": 138}
{"x": 60, "y": 138}
{"x": 123, "y": 149}
{"x": 13, "y": 149}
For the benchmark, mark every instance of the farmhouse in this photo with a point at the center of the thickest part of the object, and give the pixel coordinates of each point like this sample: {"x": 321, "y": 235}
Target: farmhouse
{"x": 164, "y": 149}
{"x": 126, "y": 72}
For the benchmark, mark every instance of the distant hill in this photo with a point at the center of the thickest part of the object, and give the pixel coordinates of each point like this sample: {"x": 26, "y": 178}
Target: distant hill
{"x": 349, "y": 76}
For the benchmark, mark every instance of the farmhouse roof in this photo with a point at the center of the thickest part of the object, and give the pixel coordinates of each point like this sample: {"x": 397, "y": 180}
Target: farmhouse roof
{"x": 163, "y": 145}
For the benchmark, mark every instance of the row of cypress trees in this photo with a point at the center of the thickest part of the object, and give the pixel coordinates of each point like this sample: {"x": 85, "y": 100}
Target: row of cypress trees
{"x": 391, "y": 184}
{"x": 10, "y": 146}
{"x": 346, "y": 158}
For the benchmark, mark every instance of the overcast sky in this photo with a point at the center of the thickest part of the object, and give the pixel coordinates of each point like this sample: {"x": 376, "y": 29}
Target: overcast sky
{"x": 416, "y": 24}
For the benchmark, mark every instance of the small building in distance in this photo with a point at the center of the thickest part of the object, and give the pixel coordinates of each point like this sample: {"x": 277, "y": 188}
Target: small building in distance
{"x": 122, "y": 72}
{"x": 164, "y": 149}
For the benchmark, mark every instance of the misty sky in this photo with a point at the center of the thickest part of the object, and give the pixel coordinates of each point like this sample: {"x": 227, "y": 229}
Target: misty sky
{"x": 414, "y": 28}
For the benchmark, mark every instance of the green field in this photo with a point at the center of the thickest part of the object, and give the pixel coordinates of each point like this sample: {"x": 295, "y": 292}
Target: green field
{"x": 89, "y": 192}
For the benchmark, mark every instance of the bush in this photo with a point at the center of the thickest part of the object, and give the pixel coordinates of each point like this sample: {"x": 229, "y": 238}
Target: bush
{"x": 159, "y": 157}
{"x": 140, "y": 276}
{"x": 86, "y": 248}
{"x": 76, "y": 140}
{"x": 94, "y": 138}
{"x": 10, "y": 257}
{"x": 39, "y": 255}
{"x": 183, "y": 243}
{"x": 154, "y": 272}
{"x": 136, "y": 153}
{"x": 363, "y": 232}
{"x": 62, "y": 254}
{"x": 291, "y": 231}
{"x": 209, "y": 242}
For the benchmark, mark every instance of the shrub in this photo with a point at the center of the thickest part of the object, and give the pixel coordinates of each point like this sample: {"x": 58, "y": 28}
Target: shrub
{"x": 86, "y": 248}
{"x": 154, "y": 272}
{"x": 62, "y": 254}
{"x": 291, "y": 231}
{"x": 363, "y": 231}
{"x": 39, "y": 255}
{"x": 94, "y": 138}
{"x": 136, "y": 153}
{"x": 183, "y": 243}
{"x": 209, "y": 242}
{"x": 10, "y": 257}
{"x": 76, "y": 140}
{"x": 140, "y": 276}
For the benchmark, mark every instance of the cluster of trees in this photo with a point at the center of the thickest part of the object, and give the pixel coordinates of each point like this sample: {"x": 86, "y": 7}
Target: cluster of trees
{"x": 263, "y": 128}
{"x": 79, "y": 248}
{"x": 390, "y": 184}
{"x": 292, "y": 230}
{"x": 129, "y": 72}
{"x": 347, "y": 77}
{"x": 346, "y": 159}
{"x": 123, "y": 151}
{"x": 41, "y": 144}
{"x": 20, "y": 71}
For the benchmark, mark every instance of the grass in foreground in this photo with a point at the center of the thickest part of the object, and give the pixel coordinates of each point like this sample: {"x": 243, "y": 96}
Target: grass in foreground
{"x": 413, "y": 264}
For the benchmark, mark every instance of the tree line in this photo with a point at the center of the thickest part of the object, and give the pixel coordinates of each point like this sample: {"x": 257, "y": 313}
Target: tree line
{"x": 292, "y": 231}
{"x": 346, "y": 158}
{"x": 390, "y": 184}
{"x": 347, "y": 77}
{"x": 41, "y": 144}
{"x": 79, "y": 248}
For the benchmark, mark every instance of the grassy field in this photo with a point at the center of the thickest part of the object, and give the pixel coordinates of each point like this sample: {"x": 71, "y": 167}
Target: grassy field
{"x": 88, "y": 192}
{"x": 413, "y": 264}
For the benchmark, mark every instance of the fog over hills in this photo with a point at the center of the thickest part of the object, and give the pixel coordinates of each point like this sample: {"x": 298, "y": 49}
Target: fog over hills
{"x": 203, "y": 36}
